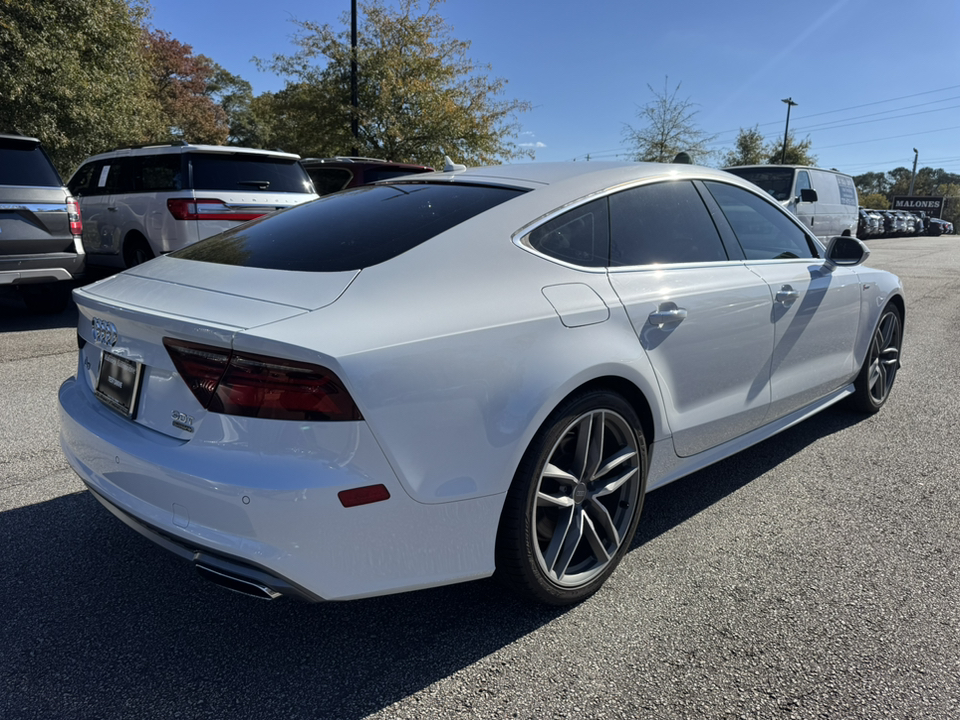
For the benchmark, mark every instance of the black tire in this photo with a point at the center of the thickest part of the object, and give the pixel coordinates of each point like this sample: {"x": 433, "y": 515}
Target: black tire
{"x": 875, "y": 380}
{"x": 136, "y": 251}
{"x": 46, "y": 298}
{"x": 585, "y": 472}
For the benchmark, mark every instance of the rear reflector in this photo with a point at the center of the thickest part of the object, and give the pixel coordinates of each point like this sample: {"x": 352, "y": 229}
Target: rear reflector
{"x": 363, "y": 495}
{"x": 209, "y": 209}
{"x": 263, "y": 387}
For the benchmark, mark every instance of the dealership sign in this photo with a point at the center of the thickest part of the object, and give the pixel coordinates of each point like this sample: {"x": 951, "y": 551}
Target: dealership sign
{"x": 932, "y": 206}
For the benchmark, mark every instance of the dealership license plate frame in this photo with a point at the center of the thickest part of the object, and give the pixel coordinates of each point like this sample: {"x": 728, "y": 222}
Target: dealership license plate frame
{"x": 118, "y": 383}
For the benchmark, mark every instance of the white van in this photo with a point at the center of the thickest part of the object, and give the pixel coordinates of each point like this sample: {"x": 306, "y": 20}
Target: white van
{"x": 824, "y": 200}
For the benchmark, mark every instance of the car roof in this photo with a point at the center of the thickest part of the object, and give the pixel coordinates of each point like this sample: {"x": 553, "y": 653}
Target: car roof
{"x": 588, "y": 176}
{"x": 171, "y": 148}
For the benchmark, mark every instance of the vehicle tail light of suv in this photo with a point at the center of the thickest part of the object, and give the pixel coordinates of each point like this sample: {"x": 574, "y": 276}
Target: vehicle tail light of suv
{"x": 208, "y": 209}
{"x": 249, "y": 385}
{"x": 75, "y": 217}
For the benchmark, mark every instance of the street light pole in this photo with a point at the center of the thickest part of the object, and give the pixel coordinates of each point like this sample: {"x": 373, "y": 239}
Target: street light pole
{"x": 354, "y": 101}
{"x": 783, "y": 153}
{"x": 913, "y": 175}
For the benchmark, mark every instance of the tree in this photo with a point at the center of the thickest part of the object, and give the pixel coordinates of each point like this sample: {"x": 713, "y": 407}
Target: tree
{"x": 420, "y": 96}
{"x": 235, "y": 96}
{"x": 73, "y": 74}
{"x": 668, "y": 129}
{"x": 180, "y": 82}
{"x": 749, "y": 149}
{"x": 872, "y": 183}
{"x": 797, "y": 153}
{"x": 875, "y": 201}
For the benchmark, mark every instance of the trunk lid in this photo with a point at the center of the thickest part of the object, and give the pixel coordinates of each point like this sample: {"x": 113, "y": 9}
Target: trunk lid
{"x": 124, "y": 319}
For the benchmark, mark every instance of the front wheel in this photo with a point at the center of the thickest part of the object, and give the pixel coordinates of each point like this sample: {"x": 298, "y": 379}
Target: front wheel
{"x": 573, "y": 507}
{"x": 873, "y": 384}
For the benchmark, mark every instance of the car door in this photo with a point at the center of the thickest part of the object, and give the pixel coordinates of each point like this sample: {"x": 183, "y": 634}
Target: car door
{"x": 815, "y": 308}
{"x": 702, "y": 318}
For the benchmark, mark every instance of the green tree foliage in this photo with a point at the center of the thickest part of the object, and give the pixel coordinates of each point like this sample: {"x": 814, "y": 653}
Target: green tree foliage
{"x": 872, "y": 183}
{"x": 668, "y": 127}
{"x": 749, "y": 149}
{"x": 235, "y": 96}
{"x": 72, "y": 73}
{"x": 874, "y": 201}
{"x": 181, "y": 85}
{"x": 797, "y": 152}
{"x": 419, "y": 93}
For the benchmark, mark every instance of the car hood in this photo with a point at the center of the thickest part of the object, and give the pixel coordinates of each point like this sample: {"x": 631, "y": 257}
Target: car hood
{"x": 225, "y": 295}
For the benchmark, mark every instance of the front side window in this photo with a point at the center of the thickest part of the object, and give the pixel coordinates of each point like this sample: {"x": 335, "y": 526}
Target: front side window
{"x": 763, "y": 229}
{"x": 803, "y": 181}
{"x": 660, "y": 224}
{"x": 349, "y": 230}
{"x": 579, "y": 236}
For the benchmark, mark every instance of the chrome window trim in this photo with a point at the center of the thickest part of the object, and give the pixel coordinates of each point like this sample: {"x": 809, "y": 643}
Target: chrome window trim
{"x": 35, "y": 207}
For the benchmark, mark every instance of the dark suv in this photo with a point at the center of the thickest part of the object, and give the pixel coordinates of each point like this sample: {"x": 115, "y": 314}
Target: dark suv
{"x": 337, "y": 173}
{"x": 40, "y": 226}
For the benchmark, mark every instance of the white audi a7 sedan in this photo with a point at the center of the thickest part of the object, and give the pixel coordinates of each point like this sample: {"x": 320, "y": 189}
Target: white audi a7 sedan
{"x": 462, "y": 374}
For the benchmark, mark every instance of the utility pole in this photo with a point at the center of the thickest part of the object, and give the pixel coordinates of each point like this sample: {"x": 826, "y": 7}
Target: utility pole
{"x": 783, "y": 153}
{"x": 913, "y": 175}
{"x": 354, "y": 101}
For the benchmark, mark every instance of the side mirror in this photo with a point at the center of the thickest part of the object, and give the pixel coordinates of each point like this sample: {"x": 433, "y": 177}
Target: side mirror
{"x": 846, "y": 251}
{"x": 808, "y": 195}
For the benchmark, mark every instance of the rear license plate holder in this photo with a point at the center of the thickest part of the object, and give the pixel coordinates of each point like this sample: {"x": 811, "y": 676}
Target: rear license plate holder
{"x": 118, "y": 384}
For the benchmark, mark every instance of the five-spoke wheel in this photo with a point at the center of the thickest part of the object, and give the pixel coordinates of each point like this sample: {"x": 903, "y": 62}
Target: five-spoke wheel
{"x": 573, "y": 508}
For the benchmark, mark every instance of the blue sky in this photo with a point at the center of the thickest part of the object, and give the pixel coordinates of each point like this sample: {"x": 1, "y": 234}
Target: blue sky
{"x": 873, "y": 79}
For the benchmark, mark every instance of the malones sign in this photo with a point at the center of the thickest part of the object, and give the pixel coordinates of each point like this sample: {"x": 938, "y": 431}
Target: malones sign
{"x": 932, "y": 206}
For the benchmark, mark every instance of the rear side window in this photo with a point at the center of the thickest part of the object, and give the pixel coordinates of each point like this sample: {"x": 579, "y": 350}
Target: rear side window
{"x": 25, "y": 163}
{"x": 350, "y": 230}
{"x": 580, "y": 236}
{"x": 158, "y": 173}
{"x": 764, "y": 230}
{"x": 248, "y": 173}
{"x": 662, "y": 223}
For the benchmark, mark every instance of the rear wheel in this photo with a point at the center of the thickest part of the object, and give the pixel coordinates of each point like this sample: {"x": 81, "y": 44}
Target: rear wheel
{"x": 873, "y": 384}
{"x": 573, "y": 508}
{"x": 136, "y": 250}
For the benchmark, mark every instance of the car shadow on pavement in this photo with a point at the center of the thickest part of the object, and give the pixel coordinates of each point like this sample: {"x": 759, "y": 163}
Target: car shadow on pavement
{"x": 14, "y": 316}
{"x": 99, "y": 622}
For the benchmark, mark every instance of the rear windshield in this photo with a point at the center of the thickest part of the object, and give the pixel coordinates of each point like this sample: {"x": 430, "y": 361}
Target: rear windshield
{"x": 776, "y": 181}
{"x": 350, "y": 230}
{"x": 248, "y": 173}
{"x": 25, "y": 163}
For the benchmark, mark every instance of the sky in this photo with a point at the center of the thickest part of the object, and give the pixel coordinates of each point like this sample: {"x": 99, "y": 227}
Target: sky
{"x": 873, "y": 79}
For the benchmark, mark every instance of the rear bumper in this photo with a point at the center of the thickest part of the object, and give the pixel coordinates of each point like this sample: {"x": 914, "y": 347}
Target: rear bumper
{"x": 261, "y": 501}
{"x": 53, "y": 267}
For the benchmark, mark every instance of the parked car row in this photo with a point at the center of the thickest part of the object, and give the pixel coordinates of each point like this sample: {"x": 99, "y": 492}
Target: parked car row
{"x": 899, "y": 223}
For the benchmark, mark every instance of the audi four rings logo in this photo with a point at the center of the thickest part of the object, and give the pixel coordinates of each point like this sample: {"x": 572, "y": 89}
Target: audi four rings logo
{"x": 104, "y": 332}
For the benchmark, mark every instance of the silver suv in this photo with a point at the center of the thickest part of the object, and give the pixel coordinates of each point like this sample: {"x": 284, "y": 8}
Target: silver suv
{"x": 141, "y": 202}
{"x": 40, "y": 226}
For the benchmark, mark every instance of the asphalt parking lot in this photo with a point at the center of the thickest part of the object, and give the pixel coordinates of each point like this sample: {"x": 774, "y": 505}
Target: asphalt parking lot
{"x": 816, "y": 575}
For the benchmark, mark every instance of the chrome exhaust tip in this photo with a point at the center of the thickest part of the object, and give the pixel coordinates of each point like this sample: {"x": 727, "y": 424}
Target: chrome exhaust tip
{"x": 236, "y": 583}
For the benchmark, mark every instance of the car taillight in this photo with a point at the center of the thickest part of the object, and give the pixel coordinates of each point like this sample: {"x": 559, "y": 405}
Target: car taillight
{"x": 264, "y": 387}
{"x": 208, "y": 209}
{"x": 73, "y": 214}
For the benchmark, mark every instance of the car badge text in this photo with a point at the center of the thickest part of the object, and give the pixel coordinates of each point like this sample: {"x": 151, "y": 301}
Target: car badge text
{"x": 182, "y": 421}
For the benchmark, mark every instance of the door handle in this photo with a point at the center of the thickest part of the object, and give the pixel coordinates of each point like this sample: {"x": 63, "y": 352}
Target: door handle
{"x": 666, "y": 314}
{"x": 787, "y": 296}
{"x": 112, "y": 209}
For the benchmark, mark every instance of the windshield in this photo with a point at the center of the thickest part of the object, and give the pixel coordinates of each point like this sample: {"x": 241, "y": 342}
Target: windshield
{"x": 776, "y": 181}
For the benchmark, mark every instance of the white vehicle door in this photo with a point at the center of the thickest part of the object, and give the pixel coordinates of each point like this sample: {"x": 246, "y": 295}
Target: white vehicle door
{"x": 702, "y": 318}
{"x": 816, "y": 310}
